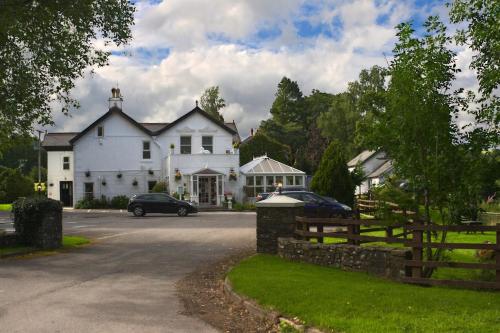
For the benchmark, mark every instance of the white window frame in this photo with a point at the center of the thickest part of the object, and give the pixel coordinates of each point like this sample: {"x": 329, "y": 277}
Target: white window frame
{"x": 66, "y": 163}
{"x": 101, "y": 128}
{"x": 211, "y": 146}
{"x": 185, "y": 145}
{"x": 146, "y": 150}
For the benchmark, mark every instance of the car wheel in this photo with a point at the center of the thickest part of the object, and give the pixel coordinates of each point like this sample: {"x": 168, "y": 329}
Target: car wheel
{"x": 182, "y": 211}
{"x": 139, "y": 211}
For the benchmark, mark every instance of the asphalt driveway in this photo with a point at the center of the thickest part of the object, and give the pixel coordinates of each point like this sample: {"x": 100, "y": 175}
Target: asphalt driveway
{"x": 125, "y": 281}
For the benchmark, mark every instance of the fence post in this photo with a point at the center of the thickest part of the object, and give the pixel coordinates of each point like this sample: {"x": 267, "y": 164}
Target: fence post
{"x": 497, "y": 256}
{"x": 350, "y": 232}
{"x": 319, "y": 228}
{"x": 417, "y": 251}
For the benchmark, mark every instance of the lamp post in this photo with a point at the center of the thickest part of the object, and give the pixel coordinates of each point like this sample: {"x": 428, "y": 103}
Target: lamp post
{"x": 39, "y": 187}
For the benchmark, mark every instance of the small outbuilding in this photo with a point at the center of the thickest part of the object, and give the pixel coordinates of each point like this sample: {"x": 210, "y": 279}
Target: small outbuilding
{"x": 263, "y": 174}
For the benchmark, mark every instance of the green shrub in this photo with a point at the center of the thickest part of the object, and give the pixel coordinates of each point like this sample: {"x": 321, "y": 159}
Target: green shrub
{"x": 160, "y": 187}
{"x": 28, "y": 212}
{"x": 333, "y": 178}
{"x": 14, "y": 185}
{"x": 92, "y": 203}
{"x": 176, "y": 195}
{"x": 243, "y": 206}
{"x": 119, "y": 202}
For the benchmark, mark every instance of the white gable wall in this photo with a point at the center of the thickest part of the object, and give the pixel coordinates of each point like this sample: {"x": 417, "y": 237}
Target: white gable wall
{"x": 119, "y": 151}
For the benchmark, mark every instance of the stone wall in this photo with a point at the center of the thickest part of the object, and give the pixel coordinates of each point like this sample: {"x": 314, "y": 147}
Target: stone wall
{"x": 381, "y": 261}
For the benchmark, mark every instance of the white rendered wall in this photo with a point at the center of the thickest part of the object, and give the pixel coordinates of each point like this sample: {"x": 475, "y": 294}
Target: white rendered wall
{"x": 119, "y": 151}
{"x": 56, "y": 173}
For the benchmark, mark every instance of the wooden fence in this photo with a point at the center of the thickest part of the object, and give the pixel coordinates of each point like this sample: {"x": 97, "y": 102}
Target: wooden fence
{"x": 371, "y": 206}
{"x": 353, "y": 234}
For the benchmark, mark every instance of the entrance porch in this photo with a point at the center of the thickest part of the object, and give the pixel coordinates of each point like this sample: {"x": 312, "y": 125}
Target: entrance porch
{"x": 207, "y": 187}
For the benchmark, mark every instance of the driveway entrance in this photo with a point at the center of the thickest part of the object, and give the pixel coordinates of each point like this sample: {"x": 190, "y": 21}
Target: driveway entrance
{"x": 125, "y": 281}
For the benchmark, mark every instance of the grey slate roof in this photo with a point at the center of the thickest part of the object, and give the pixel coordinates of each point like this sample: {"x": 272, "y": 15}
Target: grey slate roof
{"x": 58, "y": 141}
{"x": 381, "y": 170}
{"x": 153, "y": 127}
{"x": 361, "y": 158}
{"x": 266, "y": 165}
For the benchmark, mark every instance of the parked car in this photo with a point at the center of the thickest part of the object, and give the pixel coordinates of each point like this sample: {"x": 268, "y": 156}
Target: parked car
{"x": 262, "y": 196}
{"x": 141, "y": 204}
{"x": 318, "y": 206}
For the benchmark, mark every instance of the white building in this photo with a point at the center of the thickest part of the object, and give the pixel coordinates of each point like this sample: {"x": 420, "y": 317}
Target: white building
{"x": 376, "y": 168}
{"x": 116, "y": 155}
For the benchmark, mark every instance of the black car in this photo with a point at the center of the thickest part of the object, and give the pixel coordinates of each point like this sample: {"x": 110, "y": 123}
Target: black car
{"x": 318, "y": 206}
{"x": 159, "y": 203}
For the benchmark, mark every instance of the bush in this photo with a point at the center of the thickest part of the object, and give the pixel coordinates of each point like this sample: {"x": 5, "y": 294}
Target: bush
{"x": 28, "y": 214}
{"x": 333, "y": 178}
{"x": 119, "y": 202}
{"x": 92, "y": 203}
{"x": 160, "y": 187}
{"x": 243, "y": 206}
{"x": 14, "y": 185}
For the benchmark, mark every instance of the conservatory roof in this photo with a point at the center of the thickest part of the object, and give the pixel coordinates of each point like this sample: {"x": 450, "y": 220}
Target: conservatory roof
{"x": 266, "y": 165}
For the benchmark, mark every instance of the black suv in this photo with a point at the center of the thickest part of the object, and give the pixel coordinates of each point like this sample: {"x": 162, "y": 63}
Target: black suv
{"x": 141, "y": 204}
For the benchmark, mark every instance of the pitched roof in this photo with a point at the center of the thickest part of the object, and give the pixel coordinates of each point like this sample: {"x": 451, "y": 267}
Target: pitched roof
{"x": 207, "y": 171}
{"x": 204, "y": 114}
{"x": 112, "y": 110}
{"x": 361, "y": 158}
{"x": 266, "y": 165}
{"x": 153, "y": 127}
{"x": 58, "y": 141}
{"x": 381, "y": 170}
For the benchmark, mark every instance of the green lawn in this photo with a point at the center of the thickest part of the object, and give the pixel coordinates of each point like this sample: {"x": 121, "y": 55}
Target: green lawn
{"x": 5, "y": 207}
{"x": 342, "y": 301}
{"x": 69, "y": 242}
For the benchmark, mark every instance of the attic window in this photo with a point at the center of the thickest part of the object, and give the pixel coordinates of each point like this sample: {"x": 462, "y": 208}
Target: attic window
{"x": 100, "y": 131}
{"x": 146, "y": 150}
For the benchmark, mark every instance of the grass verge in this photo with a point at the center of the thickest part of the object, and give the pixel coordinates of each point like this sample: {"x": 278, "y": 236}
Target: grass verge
{"x": 69, "y": 242}
{"x": 5, "y": 207}
{"x": 356, "y": 302}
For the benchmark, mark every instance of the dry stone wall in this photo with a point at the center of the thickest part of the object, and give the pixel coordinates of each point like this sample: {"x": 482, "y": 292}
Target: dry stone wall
{"x": 381, "y": 261}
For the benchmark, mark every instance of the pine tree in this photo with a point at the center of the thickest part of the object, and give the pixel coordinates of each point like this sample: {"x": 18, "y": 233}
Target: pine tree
{"x": 332, "y": 178}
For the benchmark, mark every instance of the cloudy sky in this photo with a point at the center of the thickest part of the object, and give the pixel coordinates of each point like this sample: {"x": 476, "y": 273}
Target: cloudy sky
{"x": 181, "y": 47}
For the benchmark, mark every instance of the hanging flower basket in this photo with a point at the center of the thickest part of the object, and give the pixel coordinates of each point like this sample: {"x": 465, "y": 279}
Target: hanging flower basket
{"x": 87, "y": 173}
{"x": 103, "y": 183}
{"x": 232, "y": 176}
{"x": 135, "y": 183}
{"x": 119, "y": 175}
{"x": 178, "y": 175}
{"x": 151, "y": 172}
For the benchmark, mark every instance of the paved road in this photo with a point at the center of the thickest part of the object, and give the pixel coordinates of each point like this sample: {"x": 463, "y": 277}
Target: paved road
{"x": 125, "y": 281}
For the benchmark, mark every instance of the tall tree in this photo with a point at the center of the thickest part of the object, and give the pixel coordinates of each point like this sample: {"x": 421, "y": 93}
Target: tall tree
{"x": 212, "y": 102}
{"x": 44, "y": 47}
{"x": 261, "y": 144}
{"x": 417, "y": 128}
{"x": 333, "y": 177}
{"x": 287, "y": 106}
{"x": 482, "y": 35}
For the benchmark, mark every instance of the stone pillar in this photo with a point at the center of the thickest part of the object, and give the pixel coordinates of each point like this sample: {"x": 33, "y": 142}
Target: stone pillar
{"x": 276, "y": 218}
{"x": 49, "y": 234}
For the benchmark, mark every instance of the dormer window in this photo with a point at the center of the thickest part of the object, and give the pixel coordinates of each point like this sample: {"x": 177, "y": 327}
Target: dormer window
{"x": 100, "y": 131}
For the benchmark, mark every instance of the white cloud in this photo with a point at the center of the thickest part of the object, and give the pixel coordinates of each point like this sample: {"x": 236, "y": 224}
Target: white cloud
{"x": 248, "y": 76}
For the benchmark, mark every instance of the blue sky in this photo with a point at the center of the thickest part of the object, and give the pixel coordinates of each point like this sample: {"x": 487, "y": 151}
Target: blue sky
{"x": 181, "y": 47}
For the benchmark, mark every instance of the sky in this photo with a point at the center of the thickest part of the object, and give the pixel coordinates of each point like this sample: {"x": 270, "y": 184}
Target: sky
{"x": 181, "y": 47}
